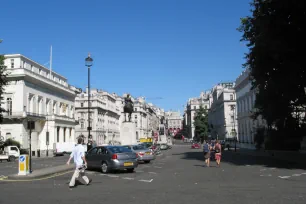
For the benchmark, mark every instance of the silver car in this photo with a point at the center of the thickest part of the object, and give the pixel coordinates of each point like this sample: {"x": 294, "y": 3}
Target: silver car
{"x": 109, "y": 158}
{"x": 144, "y": 154}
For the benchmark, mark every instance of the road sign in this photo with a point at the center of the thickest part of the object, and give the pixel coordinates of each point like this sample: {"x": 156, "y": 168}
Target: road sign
{"x": 23, "y": 165}
{"x": 21, "y": 158}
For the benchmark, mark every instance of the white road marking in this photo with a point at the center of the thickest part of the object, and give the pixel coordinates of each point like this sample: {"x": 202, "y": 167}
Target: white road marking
{"x": 139, "y": 171}
{"x": 266, "y": 175}
{"x": 272, "y": 168}
{"x": 304, "y": 173}
{"x": 284, "y": 177}
{"x": 296, "y": 174}
{"x": 263, "y": 169}
{"x": 158, "y": 167}
{"x": 113, "y": 176}
{"x": 128, "y": 178}
{"x": 247, "y": 165}
{"x": 103, "y": 174}
{"x": 152, "y": 173}
{"x": 148, "y": 181}
{"x": 90, "y": 172}
{"x": 159, "y": 155}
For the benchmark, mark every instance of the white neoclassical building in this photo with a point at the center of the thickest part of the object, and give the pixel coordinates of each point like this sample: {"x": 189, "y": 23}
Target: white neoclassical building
{"x": 104, "y": 116}
{"x": 192, "y": 106}
{"x": 38, "y": 99}
{"x": 222, "y": 115}
{"x": 174, "y": 121}
{"x": 245, "y": 105}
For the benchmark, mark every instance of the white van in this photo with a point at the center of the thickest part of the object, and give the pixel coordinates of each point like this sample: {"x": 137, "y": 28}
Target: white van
{"x": 10, "y": 153}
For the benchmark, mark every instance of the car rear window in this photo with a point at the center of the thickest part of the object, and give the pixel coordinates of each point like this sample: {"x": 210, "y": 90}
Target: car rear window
{"x": 119, "y": 149}
{"x": 138, "y": 147}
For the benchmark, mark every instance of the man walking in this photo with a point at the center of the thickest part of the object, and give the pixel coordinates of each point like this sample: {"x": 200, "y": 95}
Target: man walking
{"x": 78, "y": 155}
{"x": 207, "y": 149}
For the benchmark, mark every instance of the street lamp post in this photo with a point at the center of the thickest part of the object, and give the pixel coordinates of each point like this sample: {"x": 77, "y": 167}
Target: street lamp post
{"x": 234, "y": 127}
{"x": 88, "y": 63}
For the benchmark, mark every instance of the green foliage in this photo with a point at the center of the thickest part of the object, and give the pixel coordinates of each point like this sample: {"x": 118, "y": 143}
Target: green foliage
{"x": 276, "y": 37}
{"x": 259, "y": 137}
{"x": 201, "y": 123}
{"x": 3, "y": 82}
{"x": 11, "y": 142}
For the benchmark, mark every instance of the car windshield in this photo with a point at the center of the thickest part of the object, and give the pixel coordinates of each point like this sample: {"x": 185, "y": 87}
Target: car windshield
{"x": 138, "y": 147}
{"x": 119, "y": 149}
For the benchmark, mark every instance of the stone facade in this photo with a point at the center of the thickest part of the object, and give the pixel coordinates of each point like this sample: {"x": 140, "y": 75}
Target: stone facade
{"x": 104, "y": 116}
{"x": 245, "y": 105}
{"x": 36, "y": 95}
{"x": 192, "y": 106}
{"x": 222, "y": 115}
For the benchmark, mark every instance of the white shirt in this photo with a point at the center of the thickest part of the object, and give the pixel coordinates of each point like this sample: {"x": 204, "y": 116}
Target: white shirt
{"x": 77, "y": 154}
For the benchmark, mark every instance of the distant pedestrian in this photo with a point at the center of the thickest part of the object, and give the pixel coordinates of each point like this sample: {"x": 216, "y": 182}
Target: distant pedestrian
{"x": 218, "y": 152}
{"x": 78, "y": 155}
{"x": 206, "y": 149}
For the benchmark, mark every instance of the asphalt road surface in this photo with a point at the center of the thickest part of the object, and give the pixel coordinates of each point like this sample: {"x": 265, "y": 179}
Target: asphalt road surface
{"x": 178, "y": 176}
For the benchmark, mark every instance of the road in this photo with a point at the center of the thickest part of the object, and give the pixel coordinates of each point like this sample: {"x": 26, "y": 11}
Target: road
{"x": 178, "y": 176}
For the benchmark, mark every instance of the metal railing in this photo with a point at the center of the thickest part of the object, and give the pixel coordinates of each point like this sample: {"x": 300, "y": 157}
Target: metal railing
{"x": 35, "y": 114}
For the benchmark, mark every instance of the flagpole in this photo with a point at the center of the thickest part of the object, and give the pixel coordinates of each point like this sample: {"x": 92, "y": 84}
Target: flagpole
{"x": 51, "y": 62}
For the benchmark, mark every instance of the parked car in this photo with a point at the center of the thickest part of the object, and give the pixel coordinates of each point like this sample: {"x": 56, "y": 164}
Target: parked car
{"x": 195, "y": 146}
{"x": 60, "y": 149}
{"x": 109, "y": 158}
{"x": 10, "y": 153}
{"x": 156, "y": 149}
{"x": 164, "y": 147}
{"x": 144, "y": 154}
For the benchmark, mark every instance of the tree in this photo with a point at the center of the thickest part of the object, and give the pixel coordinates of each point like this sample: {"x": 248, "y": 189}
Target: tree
{"x": 11, "y": 142}
{"x": 201, "y": 123}
{"x": 3, "y": 82}
{"x": 276, "y": 40}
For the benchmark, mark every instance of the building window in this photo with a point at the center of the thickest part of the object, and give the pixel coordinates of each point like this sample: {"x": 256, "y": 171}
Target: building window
{"x": 232, "y": 119}
{"x": 9, "y": 106}
{"x": 12, "y": 63}
{"x": 82, "y": 105}
{"x": 135, "y": 109}
{"x": 231, "y": 97}
{"x": 64, "y": 134}
{"x": 82, "y": 125}
{"x": 194, "y": 107}
{"x": 58, "y": 129}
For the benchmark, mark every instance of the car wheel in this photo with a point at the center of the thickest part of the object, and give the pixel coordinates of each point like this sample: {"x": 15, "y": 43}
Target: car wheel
{"x": 104, "y": 168}
{"x": 147, "y": 162}
{"x": 11, "y": 159}
{"x": 130, "y": 170}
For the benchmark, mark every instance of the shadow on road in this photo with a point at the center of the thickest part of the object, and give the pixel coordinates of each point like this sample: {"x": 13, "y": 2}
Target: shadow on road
{"x": 238, "y": 159}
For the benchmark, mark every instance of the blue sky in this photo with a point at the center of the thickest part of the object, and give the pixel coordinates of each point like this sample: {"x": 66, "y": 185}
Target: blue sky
{"x": 172, "y": 49}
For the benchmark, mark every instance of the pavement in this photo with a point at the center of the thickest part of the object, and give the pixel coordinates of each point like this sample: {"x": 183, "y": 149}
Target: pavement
{"x": 177, "y": 176}
{"x": 9, "y": 168}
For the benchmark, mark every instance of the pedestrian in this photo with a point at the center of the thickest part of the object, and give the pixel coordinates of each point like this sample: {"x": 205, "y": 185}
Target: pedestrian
{"x": 207, "y": 149}
{"x": 78, "y": 155}
{"x": 218, "y": 152}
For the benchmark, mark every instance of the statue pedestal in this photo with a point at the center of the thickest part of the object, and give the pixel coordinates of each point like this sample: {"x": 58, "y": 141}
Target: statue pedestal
{"x": 128, "y": 133}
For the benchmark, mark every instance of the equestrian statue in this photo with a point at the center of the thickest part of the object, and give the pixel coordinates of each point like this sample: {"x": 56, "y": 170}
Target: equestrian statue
{"x": 128, "y": 107}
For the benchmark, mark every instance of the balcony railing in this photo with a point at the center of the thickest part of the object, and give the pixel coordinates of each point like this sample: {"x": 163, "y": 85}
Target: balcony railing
{"x": 35, "y": 114}
{"x": 14, "y": 114}
{"x": 61, "y": 117}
